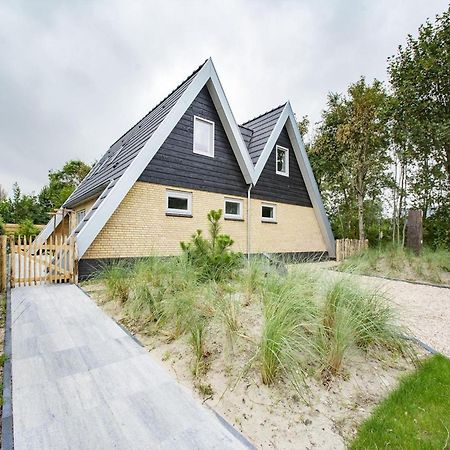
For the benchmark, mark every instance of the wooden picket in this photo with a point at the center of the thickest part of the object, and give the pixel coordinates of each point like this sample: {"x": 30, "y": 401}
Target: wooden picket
{"x": 349, "y": 247}
{"x": 52, "y": 261}
{"x": 3, "y": 262}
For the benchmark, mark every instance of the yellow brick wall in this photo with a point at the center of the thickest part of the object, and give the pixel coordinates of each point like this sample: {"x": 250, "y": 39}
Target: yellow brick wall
{"x": 140, "y": 227}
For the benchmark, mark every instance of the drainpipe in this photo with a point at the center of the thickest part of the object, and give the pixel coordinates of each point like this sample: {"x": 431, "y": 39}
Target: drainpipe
{"x": 248, "y": 220}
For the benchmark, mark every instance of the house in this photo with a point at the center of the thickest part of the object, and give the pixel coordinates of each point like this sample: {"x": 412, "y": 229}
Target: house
{"x": 155, "y": 185}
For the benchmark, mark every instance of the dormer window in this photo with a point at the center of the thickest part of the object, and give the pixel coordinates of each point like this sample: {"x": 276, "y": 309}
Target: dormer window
{"x": 282, "y": 161}
{"x": 203, "y": 137}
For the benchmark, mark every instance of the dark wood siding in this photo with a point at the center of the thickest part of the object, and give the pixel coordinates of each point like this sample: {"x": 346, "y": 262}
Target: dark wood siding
{"x": 278, "y": 188}
{"x": 176, "y": 164}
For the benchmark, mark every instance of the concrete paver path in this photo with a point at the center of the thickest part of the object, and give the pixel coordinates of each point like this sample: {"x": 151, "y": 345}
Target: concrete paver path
{"x": 81, "y": 382}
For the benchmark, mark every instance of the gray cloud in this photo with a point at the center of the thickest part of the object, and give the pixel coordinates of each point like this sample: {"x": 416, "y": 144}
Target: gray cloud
{"x": 75, "y": 75}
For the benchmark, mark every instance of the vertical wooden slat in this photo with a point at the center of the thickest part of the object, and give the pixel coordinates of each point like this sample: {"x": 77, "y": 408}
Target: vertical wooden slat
{"x": 28, "y": 256}
{"x": 70, "y": 259}
{"x": 47, "y": 266}
{"x": 34, "y": 261}
{"x": 3, "y": 243}
{"x": 19, "y": 259}
{"x": 58, "y": 258}
{"x": 12, "y": 260}
{"x": 75, "y": 261}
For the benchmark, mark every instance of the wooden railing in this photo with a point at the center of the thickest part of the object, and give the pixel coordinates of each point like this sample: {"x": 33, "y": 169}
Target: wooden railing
{"x": 52, "y": 261}
{"x": 349, "y": 247}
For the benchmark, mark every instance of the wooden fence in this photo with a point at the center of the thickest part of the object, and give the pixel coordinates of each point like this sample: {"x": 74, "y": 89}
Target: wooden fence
{"x": 349, "y": 247}
{"x": 31, "y": 262}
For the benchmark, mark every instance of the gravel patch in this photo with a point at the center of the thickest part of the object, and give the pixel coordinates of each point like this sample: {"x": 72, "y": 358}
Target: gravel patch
{"x": 425, "y": 310}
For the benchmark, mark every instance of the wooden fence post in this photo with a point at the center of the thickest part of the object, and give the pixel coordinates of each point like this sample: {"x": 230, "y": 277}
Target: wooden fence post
{"x": 3, "y": 264}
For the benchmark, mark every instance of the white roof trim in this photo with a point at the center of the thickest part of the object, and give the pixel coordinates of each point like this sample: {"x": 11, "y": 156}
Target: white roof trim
{"x": 207, "y": 74}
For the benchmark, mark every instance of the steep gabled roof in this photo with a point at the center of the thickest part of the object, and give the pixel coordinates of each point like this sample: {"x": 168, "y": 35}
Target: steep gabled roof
{"x": 117, "y": 171}
{"x": 261, "y": 127}
{"x": 119, "y": 156}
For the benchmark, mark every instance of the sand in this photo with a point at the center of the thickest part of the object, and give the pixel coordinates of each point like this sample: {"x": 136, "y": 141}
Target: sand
{"x": 276, "y": 417}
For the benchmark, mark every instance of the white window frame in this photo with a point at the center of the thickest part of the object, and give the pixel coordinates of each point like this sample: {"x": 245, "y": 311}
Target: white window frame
{"x": 80, "y": 215}
{"x": 286, "y": 150}
{"x": 274, "y": 208}
{"x": 240, "y": 202}
{"x": 199, "y": 152}
{"x": 179, "y": 194}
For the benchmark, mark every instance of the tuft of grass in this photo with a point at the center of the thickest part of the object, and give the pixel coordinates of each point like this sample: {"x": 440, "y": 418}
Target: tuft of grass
{"x": 116, "y": 277}
{"x": 197, "y": 341}
{"x": 415, "y": 415}
{"x": 399, "y": 262}
{"x": 288, "y": 312}
{"x": 355, "y": 317}
{"x": 252, "y": 278}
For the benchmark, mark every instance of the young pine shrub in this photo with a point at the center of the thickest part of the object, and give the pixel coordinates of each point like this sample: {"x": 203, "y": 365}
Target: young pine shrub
{"x": 116, "y": 277}
{"x": 212, "y": 258}
{"x": 288, "y": 313}
{"x": 355, "y": 318}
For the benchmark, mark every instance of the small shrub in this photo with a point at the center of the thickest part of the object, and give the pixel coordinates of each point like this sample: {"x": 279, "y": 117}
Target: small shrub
{"x": 212, "y": 258}
{"x": 27, "y": 228}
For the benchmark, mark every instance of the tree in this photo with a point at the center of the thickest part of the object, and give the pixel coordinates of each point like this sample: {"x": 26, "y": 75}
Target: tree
{"x": 350, "y": 153}
{"x": 62, "y": 183}
{"x": 419, "y": 76}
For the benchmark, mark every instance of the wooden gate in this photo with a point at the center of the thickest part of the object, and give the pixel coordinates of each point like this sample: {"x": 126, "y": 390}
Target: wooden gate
{"x": 52, "y": 261}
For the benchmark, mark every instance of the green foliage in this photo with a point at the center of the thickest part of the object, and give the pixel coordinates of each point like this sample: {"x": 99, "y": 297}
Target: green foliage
{"x": 350, "y": 154}
{"x": 432, "y": 265}
{"x": 355, "y": 317}
{"x": 2, "y": 224}
{"x": 21, "y": 207}
{"x": 62, "y": 183}
{"x": 420, "y": 78}
{"x": 27, "y": 228}
{"x": 116, "y": 276}
{"x": 415, "y": 415}
{"x": 212, "y": 258}
{"x": 288, "y": 312}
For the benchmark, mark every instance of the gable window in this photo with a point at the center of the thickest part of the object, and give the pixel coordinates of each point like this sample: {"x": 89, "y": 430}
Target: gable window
{"x": 178, "y": 203}
{"x": 268, "y": 212}
{"x": 203, "y": 137}
{"x": 282, "y": 161}
{"x": 80, "y": 215}
{"x": 233, "y": 209}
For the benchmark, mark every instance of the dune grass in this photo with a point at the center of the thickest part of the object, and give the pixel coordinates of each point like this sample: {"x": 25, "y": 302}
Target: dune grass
{"x": 415, "y": 415}
{"x": 353, "y": 317}
{"x": 398, "y": 262}
{"x": 308, "y": 324}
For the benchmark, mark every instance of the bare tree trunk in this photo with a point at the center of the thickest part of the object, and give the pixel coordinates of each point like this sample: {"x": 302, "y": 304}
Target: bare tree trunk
{"x": 362, "y": 234}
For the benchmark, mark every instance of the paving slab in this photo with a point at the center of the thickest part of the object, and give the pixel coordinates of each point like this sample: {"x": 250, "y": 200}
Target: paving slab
{"x": 79, "y": 381}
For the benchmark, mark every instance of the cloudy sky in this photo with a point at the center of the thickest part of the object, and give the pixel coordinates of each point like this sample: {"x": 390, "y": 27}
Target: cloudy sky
{"x": 76, "y": 74}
